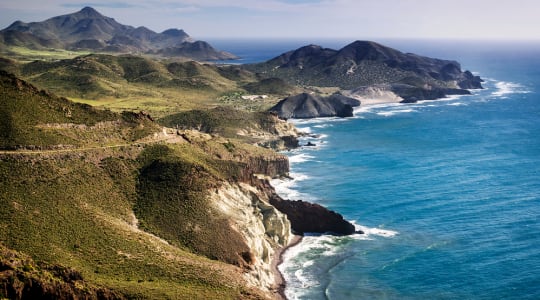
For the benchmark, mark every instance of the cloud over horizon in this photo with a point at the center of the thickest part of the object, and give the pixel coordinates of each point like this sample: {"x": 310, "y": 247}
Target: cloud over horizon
{"x": 306, "y": 18}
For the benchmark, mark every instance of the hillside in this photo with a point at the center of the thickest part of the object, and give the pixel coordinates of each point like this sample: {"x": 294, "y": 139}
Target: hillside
{"x": 128, "y": 82}
{"x": 364, "y": 63}
{"x": 33, "y": 118}
{"x": 130, "y": 210}
{"x": 87, "y": 29}
{"x": 160, "y": 87}
{"x": 102, "y": 205}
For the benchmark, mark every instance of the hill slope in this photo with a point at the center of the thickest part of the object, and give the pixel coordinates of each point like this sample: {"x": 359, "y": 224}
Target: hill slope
{"x": 87, "y": 29}
{"x": 33, "y": 118}
{"x": 128, "y": 82}
{"x": 146, "y": 220}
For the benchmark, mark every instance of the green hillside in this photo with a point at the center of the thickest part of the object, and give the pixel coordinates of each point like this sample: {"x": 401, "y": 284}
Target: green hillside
{"x": 78, "y": 211}
{"x": 33, "y": 118}
{"x": 131, "y": 221}
{"x": 134, "y": 82}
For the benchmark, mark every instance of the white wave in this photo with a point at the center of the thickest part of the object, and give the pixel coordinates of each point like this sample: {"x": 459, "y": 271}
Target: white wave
{"x": 371, "y": 108}
{"x": 300, "y": 266}
{"x": 305, "y": 130}
{"x": 445, "y": 99}
{"x": 374, "y": 231}
{"x": 299, "y": 176}
{"x": 286, "y": 188}
{"x": 322, "y": 136}
{"x": 326, "y": 125}
{"x": 298, "y": 158}
{"x": 314, "y": 137}
{"x": 504, "y": 88}
{"x": 308, "y": 263}
{"x": 311, "y": 121}
{"x": 286, "y": 191}
{"x": 457, "y": 104}
{"x": 394, "y": 112}
{"x": 305, "y": 281}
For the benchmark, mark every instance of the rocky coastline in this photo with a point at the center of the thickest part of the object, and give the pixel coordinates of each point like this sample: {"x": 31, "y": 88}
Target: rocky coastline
{"x": 301, "y": 217}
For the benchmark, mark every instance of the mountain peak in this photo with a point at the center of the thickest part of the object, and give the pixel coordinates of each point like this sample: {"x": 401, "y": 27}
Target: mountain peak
{"x": 90, "y": 12}
{"x": 368, "y": 50}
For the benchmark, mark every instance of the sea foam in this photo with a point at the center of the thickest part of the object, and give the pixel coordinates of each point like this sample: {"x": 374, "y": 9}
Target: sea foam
{"x": 394, "y": 112}
{"x": 298, "y": 158}
{"x": 504, "y": 88}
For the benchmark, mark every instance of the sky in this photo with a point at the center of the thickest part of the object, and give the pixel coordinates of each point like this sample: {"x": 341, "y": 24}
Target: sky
{"x": 339, "y": 19}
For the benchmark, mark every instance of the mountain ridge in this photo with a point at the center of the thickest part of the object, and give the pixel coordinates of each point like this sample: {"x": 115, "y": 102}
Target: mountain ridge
{"x": 88, "y": 29}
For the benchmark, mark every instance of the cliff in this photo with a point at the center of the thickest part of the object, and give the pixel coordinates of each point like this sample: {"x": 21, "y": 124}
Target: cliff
{"x": 264, "y": 228}
{"x": 261, "y": 128}
{"x": 308, "y": 217}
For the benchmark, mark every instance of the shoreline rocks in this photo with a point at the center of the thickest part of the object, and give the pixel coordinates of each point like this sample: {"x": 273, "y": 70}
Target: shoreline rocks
{"x": 311, "y": 217}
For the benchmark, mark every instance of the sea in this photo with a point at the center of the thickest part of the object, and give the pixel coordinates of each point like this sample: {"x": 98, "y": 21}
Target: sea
{"x": 447, "y": 192}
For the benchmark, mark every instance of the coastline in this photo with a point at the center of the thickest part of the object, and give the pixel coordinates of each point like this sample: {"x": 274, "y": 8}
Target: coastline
{"x": 280, "y": 283}
{"x": 278, "y": 260}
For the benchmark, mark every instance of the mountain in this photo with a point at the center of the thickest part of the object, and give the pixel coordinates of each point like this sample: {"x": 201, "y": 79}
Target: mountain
{"x": 87, "y": 29}
{"x": 366, "y": 63}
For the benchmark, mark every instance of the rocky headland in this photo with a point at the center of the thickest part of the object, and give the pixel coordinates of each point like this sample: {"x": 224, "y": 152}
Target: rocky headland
{"x": 306, "y": 105}
{"x": 366, "y": 71}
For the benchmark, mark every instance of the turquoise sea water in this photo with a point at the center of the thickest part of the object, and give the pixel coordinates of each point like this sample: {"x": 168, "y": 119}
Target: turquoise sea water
{"x": 448, "y": 191}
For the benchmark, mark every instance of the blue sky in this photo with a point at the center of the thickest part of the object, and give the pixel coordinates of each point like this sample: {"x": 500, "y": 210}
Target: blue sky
{"x": 344, "y": 19}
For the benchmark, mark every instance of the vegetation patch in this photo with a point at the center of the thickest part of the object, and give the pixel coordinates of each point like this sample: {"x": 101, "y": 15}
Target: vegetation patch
{"x": 67, "y": 210}
{"x": 173, "y": 203}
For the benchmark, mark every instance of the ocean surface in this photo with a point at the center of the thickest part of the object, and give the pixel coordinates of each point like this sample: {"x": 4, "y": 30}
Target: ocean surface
{"x": 447, "y": 191}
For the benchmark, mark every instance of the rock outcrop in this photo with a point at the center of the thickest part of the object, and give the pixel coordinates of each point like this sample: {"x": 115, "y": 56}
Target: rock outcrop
{"x": 313, "y": 106}
{"x": 310, "y": 217}
{"x": 264, "y": 228}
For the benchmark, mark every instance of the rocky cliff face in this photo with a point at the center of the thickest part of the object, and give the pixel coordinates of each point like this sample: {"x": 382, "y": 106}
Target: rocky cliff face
{"x": 263, "y": 227}
{"x": 310, "y": 217}
{"x": 274, "y": 166}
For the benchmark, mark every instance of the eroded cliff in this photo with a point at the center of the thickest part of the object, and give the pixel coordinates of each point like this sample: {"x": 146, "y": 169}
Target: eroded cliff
{"x": 263, "y": 227}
